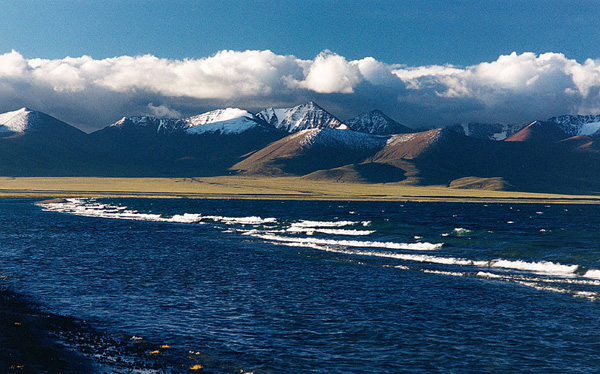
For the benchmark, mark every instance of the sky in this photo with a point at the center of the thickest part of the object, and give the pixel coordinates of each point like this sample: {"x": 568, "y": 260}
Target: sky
{"x": 425, "y": 63}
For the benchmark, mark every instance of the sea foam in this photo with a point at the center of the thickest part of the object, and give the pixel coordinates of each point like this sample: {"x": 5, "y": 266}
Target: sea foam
{"x": 352, "y": 243}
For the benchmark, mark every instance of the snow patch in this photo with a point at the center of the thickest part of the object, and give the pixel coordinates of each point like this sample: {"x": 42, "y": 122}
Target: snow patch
{"x": 338, "y": 137}
{"x": 223, "y": 121}
{"x": 298, "y": 118}
{"x": 17, "y": 121}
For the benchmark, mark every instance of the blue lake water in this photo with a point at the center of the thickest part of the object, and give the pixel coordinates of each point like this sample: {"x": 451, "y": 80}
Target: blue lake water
{"x": 321, "y": 287}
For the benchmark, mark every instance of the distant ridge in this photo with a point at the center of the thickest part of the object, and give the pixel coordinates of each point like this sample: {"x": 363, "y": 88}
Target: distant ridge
{"x": 378, "y": 123}
{"x": 310, "y": 150}
{"x": 298, "y": 118}
{"x": 561, "y": 154}
{"x": 28, "y": 121}
{"x": 490, "y": 131}
{"x": 558, "y": 128}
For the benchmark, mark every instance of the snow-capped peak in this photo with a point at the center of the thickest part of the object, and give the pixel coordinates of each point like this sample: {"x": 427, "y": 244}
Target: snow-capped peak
{"x": 376, "y": 122}
{"x": 135, "y": 120}
{"x": 574, "y": 125}
{"x": 162, "y": 125}
{"x": 223, "y": 121}
{"x": 301, "y": 117}
{"x": 489, "y": 131}
{"x": 339, "y": 137}
{"x": 18, "y": 121}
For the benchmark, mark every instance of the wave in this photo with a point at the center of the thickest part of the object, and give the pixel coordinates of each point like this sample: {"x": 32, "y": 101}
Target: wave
{"x": 461, "y": 231}
{"x": 538, "y": 267}
{"x": 545, "y": 267}
{"x": 350, "y": 243}
{"x": 251, "y": 220}
{"x": 542, "y": 284}
{"x": 540, "y": 275}
{"x": 592, "y": 273}
{"x": 448, "y": 273}
{"x": 91, "y": 208}
{"x": 307, "y": 223}
{"x": 312, "y": 230}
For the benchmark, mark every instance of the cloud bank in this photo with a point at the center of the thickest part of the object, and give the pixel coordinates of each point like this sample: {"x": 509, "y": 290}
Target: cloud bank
{"x": 92, "y": 93}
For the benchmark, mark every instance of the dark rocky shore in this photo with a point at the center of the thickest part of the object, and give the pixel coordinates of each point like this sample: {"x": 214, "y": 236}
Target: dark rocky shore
{"x": 27, "y": 343}
{"x": 34, "y": 341}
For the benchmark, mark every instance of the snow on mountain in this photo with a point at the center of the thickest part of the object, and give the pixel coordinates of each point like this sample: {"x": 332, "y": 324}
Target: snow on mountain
{"x": 298, "y": 118}
{"x": 339, "y": 137}
{"x": 574, "y": 125}
{"x": 162, "y": 125}
{"x": 18, "y": 121}
{"x": 376, "y": 122}
{"x": 223, "y": 121}
{"x": 490, "y": 131}
{"x": 558, "y": 128}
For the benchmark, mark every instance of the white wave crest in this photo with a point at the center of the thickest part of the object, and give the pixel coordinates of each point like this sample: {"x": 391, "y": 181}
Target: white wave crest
{"x": 91, "y": 208}
{"x": 306, "y": 223}
{"x": 353, "y": 243}
{"x": 542, "y": 287}
{"x": 312, "y": 230}
{"x": 485, "y": 274}
{"x": 538, "y": 267}
{"x": 592, "y": 296}
{"x": 186, "y": 218}
{"x": 252, "y": 220}
{"x": 448, "y": 273}
{"x": 592, "y": 273}
{"x": 461, "y": 230}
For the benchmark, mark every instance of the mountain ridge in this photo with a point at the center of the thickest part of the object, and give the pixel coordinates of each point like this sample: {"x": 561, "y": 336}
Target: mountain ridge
{"x": 542, "y": 156}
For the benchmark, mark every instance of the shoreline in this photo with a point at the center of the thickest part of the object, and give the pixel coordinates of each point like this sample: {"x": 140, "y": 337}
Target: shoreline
{"x": 28, "y": 343}
{"x": 275, "y": 188}
{"x": 36, "y": 341}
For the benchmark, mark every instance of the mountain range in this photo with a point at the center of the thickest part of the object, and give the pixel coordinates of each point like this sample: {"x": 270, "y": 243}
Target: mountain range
{"x": 560, "y": 154}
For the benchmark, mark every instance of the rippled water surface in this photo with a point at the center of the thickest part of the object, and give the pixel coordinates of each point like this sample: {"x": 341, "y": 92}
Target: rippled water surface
{"x": 323, "y": 287}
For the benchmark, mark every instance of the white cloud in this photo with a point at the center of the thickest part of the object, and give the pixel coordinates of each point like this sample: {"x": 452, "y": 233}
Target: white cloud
{"x": 92, "y": 93}
{"x": 12, "y": 65}
{"x": 162, "y": 111}
{"x": 331, "y": 73}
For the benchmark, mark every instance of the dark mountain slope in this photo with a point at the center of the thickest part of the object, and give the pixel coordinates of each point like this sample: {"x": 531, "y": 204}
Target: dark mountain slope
{"x": 145, "y": 152}
{"x": 378, "y": 123}
{"x": 311, "y": 150}
{"x": 36, "y": 144}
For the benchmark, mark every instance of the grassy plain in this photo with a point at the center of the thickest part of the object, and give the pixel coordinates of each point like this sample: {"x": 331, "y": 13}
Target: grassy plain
{"x": 289, "y": 188}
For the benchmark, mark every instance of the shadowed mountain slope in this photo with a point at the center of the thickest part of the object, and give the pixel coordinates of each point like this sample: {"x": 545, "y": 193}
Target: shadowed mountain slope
{"x": 558, "y": 128}
{"x": 378, "y": 123}
{"x": 310, "y": 150}
{"x": 34, "y": 143}
{"x": 432, "y": 157}
{"x": 558, "y": 155}
{"x": 299, "y": 118}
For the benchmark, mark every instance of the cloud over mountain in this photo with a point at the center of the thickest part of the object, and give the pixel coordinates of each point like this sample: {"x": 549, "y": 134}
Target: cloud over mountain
{"x": 92, "y": 93}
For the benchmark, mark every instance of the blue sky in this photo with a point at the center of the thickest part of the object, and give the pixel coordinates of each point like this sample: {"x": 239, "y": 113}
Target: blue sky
{"x": 409, "y": 34}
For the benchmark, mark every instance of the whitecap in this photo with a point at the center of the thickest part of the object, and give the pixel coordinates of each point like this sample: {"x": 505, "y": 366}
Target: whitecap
{"x": 251, "y": 220}
{"x": 592, "y": 273}
{"x": 354, "y": 243}
{"x": 538, "y": 267}
{"x": 461, "y": 231}
{"x": 311, "y": 231}
{"x": 441, "y": 272}
{"x": 307, "y": 223}
{"x": 186, "y": 218}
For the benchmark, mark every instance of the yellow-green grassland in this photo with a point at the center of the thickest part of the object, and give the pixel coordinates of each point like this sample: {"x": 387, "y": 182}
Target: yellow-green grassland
{"x": 274, "y": 188}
